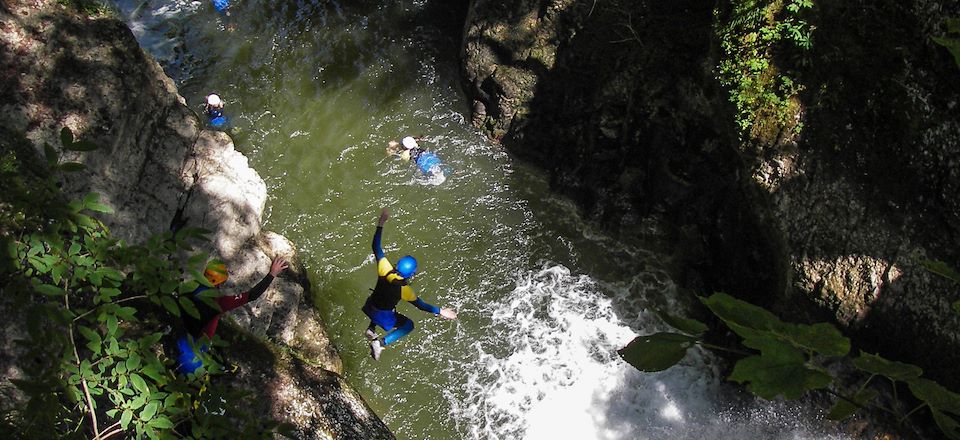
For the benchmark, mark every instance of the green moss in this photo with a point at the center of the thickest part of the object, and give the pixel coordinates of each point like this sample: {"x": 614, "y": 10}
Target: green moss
{"x": 752, "y": 33}
{"x": 89, "y": 8}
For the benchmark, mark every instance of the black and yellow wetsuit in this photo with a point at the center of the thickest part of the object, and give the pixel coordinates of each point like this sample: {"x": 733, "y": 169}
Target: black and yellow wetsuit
{"x": 390, "y": 289}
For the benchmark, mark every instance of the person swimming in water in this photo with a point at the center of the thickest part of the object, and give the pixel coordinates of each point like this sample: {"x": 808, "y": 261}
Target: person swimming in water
{"x": 409, "y": 150}
{"x": 393, "y": 284}
{"x": 214, "y": 110}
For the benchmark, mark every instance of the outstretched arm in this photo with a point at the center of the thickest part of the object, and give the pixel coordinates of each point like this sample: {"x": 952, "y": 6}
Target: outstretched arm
{"x": 231, "y": 302}
{"x": 430, "y": 308}
{"x": 377, "y": 249}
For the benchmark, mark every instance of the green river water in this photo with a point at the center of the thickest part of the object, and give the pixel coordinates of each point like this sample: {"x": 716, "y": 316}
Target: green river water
{"x": 314, "y": 90}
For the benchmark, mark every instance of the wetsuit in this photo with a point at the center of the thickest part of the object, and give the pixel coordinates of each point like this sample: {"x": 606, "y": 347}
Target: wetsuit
{"x": 427, "y": 161}
{"x": 187, "y": 359}
{"x": 391, "y": 288}
{"x": 217, "y": 119}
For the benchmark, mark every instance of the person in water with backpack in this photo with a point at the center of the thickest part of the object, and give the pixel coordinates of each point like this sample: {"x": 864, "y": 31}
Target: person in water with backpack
{"x": 393, "y": 285}
{"x": 214, "y": 110}
{"x": 199, "y": 331}
{"x": 409, "y": 150}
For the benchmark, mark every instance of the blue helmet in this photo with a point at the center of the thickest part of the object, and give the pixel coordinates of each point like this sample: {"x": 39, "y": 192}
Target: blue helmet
{"x": 406, "y": 266}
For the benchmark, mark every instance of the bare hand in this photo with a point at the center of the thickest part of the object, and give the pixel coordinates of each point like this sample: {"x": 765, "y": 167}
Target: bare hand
{"x": 279, "y": 265}
{"x": 384, "y": 215}
{"x": 393, "y": 147}
{"x": 448, "y": 313}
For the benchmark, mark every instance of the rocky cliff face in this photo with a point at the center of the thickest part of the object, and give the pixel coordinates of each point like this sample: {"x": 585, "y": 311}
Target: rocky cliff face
{"x": 618, "y": 100}
{"x": 160, "y": 170}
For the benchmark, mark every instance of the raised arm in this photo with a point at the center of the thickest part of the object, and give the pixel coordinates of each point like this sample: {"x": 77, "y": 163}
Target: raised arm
{"x": 231, "y": 302}
{"x": 377, "y": 249}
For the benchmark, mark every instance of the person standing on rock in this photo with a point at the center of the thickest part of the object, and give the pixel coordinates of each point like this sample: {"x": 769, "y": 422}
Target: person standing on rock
{"x": 199, "y": 331}
{"x": 393, "y": 285}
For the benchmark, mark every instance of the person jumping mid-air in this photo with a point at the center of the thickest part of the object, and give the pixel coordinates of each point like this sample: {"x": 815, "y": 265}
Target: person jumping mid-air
{"x": 393, "y": 284}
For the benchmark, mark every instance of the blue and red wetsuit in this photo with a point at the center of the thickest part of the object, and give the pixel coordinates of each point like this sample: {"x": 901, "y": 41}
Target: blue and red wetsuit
{"x": 200, "y": 331}
{"x": 391, "y": 288}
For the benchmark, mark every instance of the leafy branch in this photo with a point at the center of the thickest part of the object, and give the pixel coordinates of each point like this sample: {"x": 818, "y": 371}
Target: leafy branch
{"x": 91, "y": 306}
{"x": 786, "y": 359}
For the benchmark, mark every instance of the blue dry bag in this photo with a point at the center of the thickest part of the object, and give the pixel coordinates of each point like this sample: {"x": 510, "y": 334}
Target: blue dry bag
{"x": 221, "y": 5}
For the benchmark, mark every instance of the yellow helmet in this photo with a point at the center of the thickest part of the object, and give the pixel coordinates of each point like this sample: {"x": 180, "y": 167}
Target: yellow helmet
{"x": 216, "y": 273}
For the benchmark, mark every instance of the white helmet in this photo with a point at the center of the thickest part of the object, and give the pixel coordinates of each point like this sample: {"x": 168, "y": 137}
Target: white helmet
{"x": 409, "y": 143}
{"x": 213, "y": 100}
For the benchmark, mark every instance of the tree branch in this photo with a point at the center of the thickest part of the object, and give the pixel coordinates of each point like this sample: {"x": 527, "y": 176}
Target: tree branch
{"x": 83, "y": 381}
{"x": 115, "y": 302}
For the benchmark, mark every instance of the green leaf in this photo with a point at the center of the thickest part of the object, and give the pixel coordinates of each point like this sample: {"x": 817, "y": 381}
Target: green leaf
{"x": 81, "y": 146}
{"x": 133, "y": 362}
{"x": 100, "y": 207}
{"x": 745, "y": 319}
{"x": 874, "y": 364}
{"x": 66, "y": 136}
{"x": 90, "y": 197}
{"x": 50, "y": 154}
{"x": 956, "y": 306}
{"x": 109, "y": 292}
{"x": 197, "y": 276}
{"x": 138, "y": 401}
{"x": 74, "y": 394}
{"x": 198, "y": 259}
{"x": 150, "y": 340}
{"x": 153, "y": 372}
{"x": 935, "y": 395}
{"x": 942, "y": 269}
{"x": 779, "y": 370}
{"x": 170, "y": 305}
{"x": 822, "y": 338}
{"x": 57, "y": 272}
{"x": 952, "y": 45}
{"x": 686, "y": 325}
{"x": 71, "y": 167}
{"x": 127, "y": 313}
{"x": 89, "y": 334}
{"x": 189, "y": 286}
{"x": 111, "y": 274}
{"x": 169, "y": 286}
{"x": 49, "y": 289}
{"x": 947, "y": 424}
{"x": 139, "y": 383}
{"x": 125, "y": 418}
{"x": 845, "y": 408}
{"x": 84, "y": 221}
{"x": 111, "y": 324}
{"x": 188, "y": 306}
{"x": 656, "y": 352}
{"x": 149, "y": 411}
{"x": 161, "y": 422}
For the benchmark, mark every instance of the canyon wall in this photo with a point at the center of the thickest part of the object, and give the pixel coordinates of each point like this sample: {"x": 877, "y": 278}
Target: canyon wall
{"x": 827, "y": 220}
